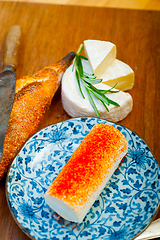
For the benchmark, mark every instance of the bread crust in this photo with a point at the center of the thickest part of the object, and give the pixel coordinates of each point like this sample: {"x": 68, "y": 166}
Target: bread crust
{"x": 33, "y": 96}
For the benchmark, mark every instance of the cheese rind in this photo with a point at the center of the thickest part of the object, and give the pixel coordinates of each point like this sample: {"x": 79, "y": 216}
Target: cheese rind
{"x": 87, "y": 172}
{"x": 76, "y": 106}
{"x": 100, "y": 54}
{"x": 119, "y": 73}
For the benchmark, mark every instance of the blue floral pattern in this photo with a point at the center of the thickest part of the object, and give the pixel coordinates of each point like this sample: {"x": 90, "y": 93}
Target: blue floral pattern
{"x": 124, "y": 208}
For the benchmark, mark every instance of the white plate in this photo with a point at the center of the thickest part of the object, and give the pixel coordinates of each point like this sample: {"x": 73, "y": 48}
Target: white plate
{"x": 125, "y": 207}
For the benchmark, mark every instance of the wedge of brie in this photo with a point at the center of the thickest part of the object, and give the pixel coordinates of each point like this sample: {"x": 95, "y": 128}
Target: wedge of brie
{"x": 100, "y": 54}
{"x": 87, "y": 172}
{"x": 102, "y": 59}
{"x": 119, "y": 73}
{"x": 76, "y": 106}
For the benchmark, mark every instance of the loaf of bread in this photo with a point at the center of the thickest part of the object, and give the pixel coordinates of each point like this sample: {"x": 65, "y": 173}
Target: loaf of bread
{"x": 87, "y": 172}
{"x": 33, "y": 96}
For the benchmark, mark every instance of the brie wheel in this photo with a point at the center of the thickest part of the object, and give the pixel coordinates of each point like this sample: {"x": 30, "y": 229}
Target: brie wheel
{"x": 76, "y": 106}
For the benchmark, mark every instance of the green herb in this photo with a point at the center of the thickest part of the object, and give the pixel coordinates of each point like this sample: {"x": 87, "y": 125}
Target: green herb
{"x": 88, "y": 80}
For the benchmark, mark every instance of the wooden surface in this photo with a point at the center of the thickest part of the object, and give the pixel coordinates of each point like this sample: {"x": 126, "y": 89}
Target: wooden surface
{"x": 49, "y": 32}
{"x": 131, "y": 4}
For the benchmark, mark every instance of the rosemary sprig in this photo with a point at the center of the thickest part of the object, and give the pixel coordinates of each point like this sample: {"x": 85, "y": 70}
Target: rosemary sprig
{"x": 88, "y": 80}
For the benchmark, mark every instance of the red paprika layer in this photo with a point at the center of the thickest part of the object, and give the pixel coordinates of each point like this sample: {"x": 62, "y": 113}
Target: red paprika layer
{"x": 89, "y": 166}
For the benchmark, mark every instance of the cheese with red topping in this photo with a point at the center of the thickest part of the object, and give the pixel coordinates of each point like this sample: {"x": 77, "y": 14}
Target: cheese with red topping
{"x": 87, "y": 172}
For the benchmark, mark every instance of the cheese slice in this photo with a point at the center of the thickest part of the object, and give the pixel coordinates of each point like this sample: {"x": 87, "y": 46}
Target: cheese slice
{"x": 100, "y": 54}
{"x": 87, "y": 172}
{"x": 76, "y": 106}
{"x": 119, "y": 73}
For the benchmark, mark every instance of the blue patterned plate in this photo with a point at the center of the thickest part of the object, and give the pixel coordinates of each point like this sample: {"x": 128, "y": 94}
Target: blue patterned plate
{"x": 125, "y": 207}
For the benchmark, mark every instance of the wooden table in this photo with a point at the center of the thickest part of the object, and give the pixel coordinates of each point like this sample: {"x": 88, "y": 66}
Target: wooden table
{"x": 132, "y": 4}
{"x": 49, "y": 32}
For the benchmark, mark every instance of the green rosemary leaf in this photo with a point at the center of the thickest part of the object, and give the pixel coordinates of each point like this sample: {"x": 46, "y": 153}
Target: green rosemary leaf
{"x": 80, "y": 66}
{"x": 113, "y": 91}
{"x": 92, "y": 81}
{"x": 100, "y": 96}
{"x": 113, "y": 102}
{"x": 99, "y": 91}
{"x": 77, "y": 55}
{"x": 105, "y": 106}
{"x": 85, "y": 58}
{"x": 74, "y": 62}
{"x": 103, "y": 91}
{"x": 92, "y": 102}
{"x": 80, "y": 49}
{"x": 105, "y": 99}
{"x": 79, "y": 85}
{"x": 91, "y": 75}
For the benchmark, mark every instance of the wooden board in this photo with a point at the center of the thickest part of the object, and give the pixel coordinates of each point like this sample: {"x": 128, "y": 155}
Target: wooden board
{"x": 49, "y": 32}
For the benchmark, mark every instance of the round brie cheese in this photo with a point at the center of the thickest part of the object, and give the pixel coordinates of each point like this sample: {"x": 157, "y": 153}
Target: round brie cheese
{"x": 77, "y": 106}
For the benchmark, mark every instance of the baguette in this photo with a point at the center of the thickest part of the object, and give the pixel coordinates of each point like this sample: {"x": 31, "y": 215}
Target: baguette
{"x": 87, "y": 172}
{"x": 33, "y": 96}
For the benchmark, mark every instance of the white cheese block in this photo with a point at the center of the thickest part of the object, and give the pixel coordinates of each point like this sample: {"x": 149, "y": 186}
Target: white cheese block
{"x": 76, "y": 106}
{"x": 87, "y": 172}
{"x": 100, "y": 54}
{"x": 120, "y": 73}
